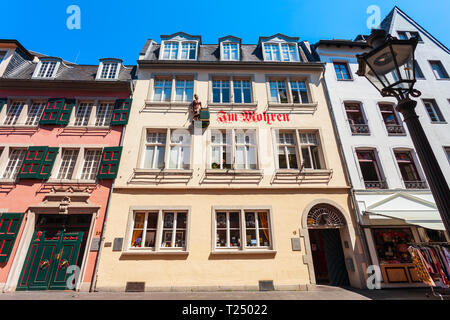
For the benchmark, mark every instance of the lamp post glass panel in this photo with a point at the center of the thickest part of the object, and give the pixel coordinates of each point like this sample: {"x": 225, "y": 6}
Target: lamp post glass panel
{"x": 390, "y": 67}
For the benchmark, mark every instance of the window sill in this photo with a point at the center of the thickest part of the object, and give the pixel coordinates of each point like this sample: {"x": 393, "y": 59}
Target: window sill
{"x": 167, "y": 103}
{"x": 164, "y": 171}
{"x": 235, "y": 171}
{"x": 304, "y": 171}
{"x": 243, "y": 251}
{"x": 7, "y": 181}
{"x": 293, "y": 105}
{"x": 439, "y": 122}
{"x": 132, "y": 252}
{"x": 232, "y": 104}
{"x": 345, "y": 79}
{"x": 70, "y": 181}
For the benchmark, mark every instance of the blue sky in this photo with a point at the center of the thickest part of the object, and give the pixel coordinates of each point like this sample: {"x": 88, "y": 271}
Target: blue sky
{"x": 120, "y": 28}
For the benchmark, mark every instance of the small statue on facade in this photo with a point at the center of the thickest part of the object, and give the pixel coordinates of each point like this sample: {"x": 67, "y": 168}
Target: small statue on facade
{"x": 196, "y": 106}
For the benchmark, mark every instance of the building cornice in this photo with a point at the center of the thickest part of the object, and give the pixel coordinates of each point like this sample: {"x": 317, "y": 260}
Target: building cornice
{"x": 303, "y": 66}
{"x": 26, "y": 84}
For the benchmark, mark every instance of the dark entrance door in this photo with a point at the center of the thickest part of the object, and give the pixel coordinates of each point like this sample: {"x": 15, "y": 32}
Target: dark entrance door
{"x": 328, "y": 257}
{"x": 57, "y": 243}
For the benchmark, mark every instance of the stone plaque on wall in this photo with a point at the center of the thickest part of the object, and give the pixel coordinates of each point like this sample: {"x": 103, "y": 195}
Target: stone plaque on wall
{"x": 117, "y": 246}
{"x": 95, "y": 244}
{"x": 296, "y": 244}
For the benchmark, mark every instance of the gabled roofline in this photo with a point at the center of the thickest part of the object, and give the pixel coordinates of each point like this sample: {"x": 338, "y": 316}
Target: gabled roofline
{"x": 278, "y": 35}
{"x": 20, "y": 46}
{"x": 182, "y": 33}
{"x": 418, "y": 26}
{"x": 230, "y": 36}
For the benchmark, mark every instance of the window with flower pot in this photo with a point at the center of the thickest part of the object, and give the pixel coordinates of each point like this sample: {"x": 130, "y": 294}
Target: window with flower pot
{"x": 391, "y": 244}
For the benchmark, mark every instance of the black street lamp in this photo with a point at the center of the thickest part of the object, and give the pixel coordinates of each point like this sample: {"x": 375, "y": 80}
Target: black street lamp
{"x": 390, "y": 68}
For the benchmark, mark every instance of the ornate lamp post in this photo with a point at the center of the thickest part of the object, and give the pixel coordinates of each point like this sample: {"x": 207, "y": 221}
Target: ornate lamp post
{"x": 390, "y": 68}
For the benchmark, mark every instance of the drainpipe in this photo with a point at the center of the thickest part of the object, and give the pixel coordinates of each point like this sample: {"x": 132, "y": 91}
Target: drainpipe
{"x": 359, "y": 230}
{"x": 102, "y": 237}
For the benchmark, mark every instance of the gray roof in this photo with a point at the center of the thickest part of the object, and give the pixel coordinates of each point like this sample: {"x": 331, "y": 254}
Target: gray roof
{"x": 211, "y": 52}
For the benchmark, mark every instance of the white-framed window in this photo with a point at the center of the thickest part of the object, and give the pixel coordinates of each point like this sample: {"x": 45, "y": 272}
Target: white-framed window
{"x": 299, "y": 91}
{"x": 67, "y": 165}
{"x": 144, "y": 229}
{"x": 82, "y": 113}
{"x": 180, "y": 150}
{"x": 233, "y": 148}
{"x": 162, "y": 89}
{"x": 109, "y": 70}
{"x": 228, "y": 229}
{"x": 15, "y": 159}
{"x": 245, "y": 149}
{"x": 47, "y": 69}
{"x": 439, "y": 70}
{"x": 221, "y": 91}
{"x": 287, "y": 151}
{"x": 92, "y": 158}
{"x": 310, "y": 150}
{"x": 242, "y": 91}
{"x": 179, "y": 50}
{"x": 184, "y": 90}
{"x": 257, "y": 232}
{"x": 155, "y": 147}
{"x": 13, "y": 112}
{"x": 281, "y": 52}
{"x": 242, "y": 229}
{"x": 34, "y": 113}
{"x": 104, "y": 114}
{"x": 159, "y": 230}
{"x": 278, "y": 92}
{"x": 230, "y": 51}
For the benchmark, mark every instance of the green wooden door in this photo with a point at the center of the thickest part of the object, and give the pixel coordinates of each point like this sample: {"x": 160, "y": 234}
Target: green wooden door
{"x": 49, "y": 256}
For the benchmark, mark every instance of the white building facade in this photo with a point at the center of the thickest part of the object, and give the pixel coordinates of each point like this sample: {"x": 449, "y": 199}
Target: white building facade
{"x": 394, "y": 203}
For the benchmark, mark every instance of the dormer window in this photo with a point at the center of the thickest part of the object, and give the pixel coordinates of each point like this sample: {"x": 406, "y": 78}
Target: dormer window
{"x": 230, "y": 51}
{"x": 172, "y": 50}
{"x": 280, "y": 52}
{"x": 46, "y": 68}
{"x": 108, "y": 69}
{"x": 179, "y": 46}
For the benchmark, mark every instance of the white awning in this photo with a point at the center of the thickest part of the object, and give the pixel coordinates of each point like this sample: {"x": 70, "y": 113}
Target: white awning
{"x": 430, "y": 219}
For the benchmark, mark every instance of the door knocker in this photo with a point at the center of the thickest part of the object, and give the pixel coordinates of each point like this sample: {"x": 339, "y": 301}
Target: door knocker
{"x": 64, "y": 263}
{"x": 44, "y": 264}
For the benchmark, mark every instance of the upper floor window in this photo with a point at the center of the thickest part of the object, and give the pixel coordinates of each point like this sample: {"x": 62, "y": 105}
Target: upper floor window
{"x": 82, "y": 114}
{"x": 310, "y": 150}
{"x": 184, "y": 89}
{"x": 162, "y": 88}
{"x": 235, "y": 149}
{"x": 178, "y": 149}
{"x": 109, "y": 70}
{"x": 104, "y": 114}
{"x": 433, "y": 110}
{"x": 356, "y": 118}
{"x": 47, "y": 69}
{"x": 288, "y": 90}
{"x": 342, "y": 71}
{"x": 179, "y": 50}
{"x": 230, "y": 51}
{"x": 221, "y": 91}
{"x": 242, "y": 91}
{"x": 370, "y": 169}
{"x": 405, "y": 35}
{"x": 92, "y": 158}
{"x": 231, "y": 89}
{"x": 13, "y": 112}
{"x": 408, "y": 170}
{"x": 15, "y": 159}
{"x": 34, "y": 113}
{"x": 418, "y": 72}
{"x": 280, "y": 52}
{"x": 439, "y": 70}
{"x": 67, "y": 166}
{"x": 391, "y": 120}
{"x": 287, "y": 151}
{"x": 447, "y": 152}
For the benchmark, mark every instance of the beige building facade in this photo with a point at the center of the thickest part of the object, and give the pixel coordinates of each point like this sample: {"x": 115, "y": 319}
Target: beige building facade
{"x": 255, "y": 197}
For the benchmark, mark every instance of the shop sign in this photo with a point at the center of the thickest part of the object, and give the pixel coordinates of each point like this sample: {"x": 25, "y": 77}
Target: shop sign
{"x": 252, "y": 116}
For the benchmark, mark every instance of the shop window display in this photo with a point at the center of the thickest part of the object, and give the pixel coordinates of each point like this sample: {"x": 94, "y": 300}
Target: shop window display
{"x": 392, "y": 244}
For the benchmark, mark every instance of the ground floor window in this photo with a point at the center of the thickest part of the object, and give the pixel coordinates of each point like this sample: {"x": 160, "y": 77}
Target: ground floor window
{"x": 392, "y": 244}
{"x": 251, "y": 225}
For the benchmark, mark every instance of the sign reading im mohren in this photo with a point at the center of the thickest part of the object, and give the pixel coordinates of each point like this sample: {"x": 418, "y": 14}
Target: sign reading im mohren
{"x": 252, "y": 116}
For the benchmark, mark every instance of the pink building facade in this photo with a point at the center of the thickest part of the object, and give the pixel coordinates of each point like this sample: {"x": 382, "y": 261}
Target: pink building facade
{"x": 61, "y": 126}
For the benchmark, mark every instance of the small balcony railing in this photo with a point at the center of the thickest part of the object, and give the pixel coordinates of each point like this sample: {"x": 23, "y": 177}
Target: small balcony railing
{"x": 416, "y": 185}
{"x": 376, "y": 184}
{"x": 359, "y": 128}
{"x": 395, "y": 129}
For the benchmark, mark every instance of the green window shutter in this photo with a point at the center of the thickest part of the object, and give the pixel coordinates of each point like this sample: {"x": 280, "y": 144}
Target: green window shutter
{"x": 47, "y": 163}
{"x": 65, "y": 111}
{"x": 2, "y": 103}
{"x": 38, "y": 163}
{"x": 52, "y": 111}
{"x": 121, "y": 112}
{"x": 31, "y": 165}
{"x": 109, "y": 166}
{"x": 9, "y": 228}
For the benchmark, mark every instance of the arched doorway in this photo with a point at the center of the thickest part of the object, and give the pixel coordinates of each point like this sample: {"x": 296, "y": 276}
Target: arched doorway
{"x": 324, "y": 223}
